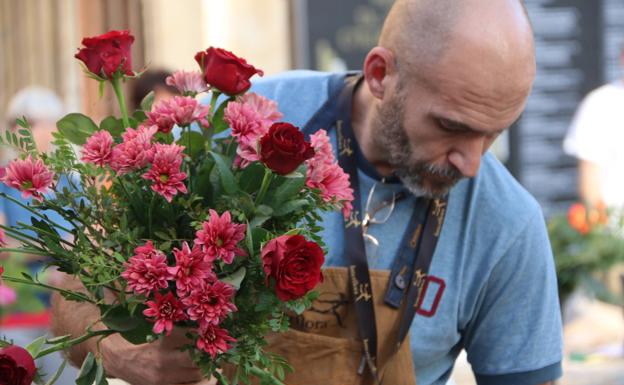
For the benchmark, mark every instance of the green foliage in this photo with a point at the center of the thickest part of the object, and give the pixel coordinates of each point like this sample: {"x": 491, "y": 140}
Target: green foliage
{"x": 76, "y": 128}
{"x": 579, "y": 255}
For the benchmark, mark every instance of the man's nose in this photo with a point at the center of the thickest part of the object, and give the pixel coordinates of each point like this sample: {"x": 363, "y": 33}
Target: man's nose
{"x": 466, "y": 156}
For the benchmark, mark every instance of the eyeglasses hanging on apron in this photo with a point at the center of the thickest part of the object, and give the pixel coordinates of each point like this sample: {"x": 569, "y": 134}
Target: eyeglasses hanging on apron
{"x": 420, "y": 238}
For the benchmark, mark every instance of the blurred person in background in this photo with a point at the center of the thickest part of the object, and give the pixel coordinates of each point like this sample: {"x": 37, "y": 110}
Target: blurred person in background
{"x": 29, "y": 319}
{"x": 595, "y": 137}
{"x": 151, "y": 80}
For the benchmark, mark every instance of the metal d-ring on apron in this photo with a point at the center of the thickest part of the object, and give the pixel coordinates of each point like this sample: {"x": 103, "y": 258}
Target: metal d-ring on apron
{"x": 419, "y": 240}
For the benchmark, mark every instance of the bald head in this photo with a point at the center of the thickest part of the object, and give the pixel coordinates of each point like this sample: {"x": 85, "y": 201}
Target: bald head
{"x": 421, "y": 32}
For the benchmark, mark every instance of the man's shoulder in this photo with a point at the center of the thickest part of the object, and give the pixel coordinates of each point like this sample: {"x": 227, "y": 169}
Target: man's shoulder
{"x": 298, "y": 93}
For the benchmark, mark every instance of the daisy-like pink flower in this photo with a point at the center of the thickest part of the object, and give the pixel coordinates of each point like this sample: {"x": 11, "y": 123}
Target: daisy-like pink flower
{"x": 323, "y": 151}
{"x": 3, "y": 242}
{"x": 135, "y": 152}
{"x": 180, "y": 110}
{"x": 165, "y": 171}
{"x": 210, "y": 304}
{"x": 214, "y": 340}
{"x": 98, "y": 149}
{"x": 193, "y": 270}
{"x": 265, "y": 108}
{"x": 219, "y": 237}
{"x": 147, "y": 270}
{"x": 32, "y": 178}
{"x": 332, "y": 182}
{"x": 187, "y": 82}
{"x": 166, "y": 310}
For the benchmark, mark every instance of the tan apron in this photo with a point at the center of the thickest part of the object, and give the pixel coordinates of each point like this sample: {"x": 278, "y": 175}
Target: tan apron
{"x": 323, "y": 345}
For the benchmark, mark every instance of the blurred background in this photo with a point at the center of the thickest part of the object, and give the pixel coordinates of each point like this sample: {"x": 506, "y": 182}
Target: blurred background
{"x": 579, "y": 48}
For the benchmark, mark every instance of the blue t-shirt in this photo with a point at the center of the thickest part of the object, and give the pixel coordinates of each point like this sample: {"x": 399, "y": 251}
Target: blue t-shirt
{"x": 493, "y": 290}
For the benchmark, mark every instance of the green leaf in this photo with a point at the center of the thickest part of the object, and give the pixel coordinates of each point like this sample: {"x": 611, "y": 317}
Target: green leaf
{"x": 250, "y": 178}
{"x": 87, "y": 371}
{"x": 139, "y": 115}
{"x": 148, "y": 100}
{"x": 235, "y": 278}
{"x": 264, "y": 210}
{"x": 193, "y": 143}
{"x": 119, "y": 319}
{"x": 35, "y": 347}
{"x": 290, "y": 206}
{"x": 286, "y": 190}
{"x": 100, "y": 378}
{"x": 113, "y": 125}
{"x": 225, "y": 174}
{"x": 218, "y": 123}
{"x": 258, "y": 236}
{"x": 57, "y": 374}
{"x": 76, "y": 128}
{"x": 258, "y": 220}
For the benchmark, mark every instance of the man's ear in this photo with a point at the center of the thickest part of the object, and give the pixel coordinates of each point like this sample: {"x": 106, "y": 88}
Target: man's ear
{"x": 380, "y": 69}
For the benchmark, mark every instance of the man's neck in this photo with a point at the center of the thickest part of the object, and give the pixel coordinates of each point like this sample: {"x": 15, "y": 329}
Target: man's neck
{"x": 362, "y": 115}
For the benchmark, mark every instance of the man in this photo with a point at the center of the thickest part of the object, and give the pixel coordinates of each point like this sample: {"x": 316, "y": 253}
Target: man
{"x": 447, "y": 77}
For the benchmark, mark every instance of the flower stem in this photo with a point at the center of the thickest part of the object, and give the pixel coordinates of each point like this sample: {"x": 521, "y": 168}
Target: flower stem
{"x": 122, "y": 101}
{"x": 43, "y": 285}
{"x": 266, "y": 181}
{"x": 67, "y": 344}
{"x": 256, "y": 371}
{"x": 149, "y": 215}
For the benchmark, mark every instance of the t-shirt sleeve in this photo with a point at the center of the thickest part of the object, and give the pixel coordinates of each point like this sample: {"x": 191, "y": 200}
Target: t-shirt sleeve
{"x": 515, "y": 337}
{"x": 589, "y": 134}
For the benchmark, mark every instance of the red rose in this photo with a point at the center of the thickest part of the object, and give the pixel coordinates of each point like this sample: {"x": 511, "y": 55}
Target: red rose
{"x": 106, "y": 54}
{"x": 225, "y": 71}
{"x": 17, "y": 366}
{"x": 284, "y": 148}
{"x": 295, "y": 265}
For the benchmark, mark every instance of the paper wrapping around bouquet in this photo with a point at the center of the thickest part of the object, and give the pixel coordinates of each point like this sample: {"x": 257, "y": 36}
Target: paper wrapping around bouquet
{"x": 323, "y": 345}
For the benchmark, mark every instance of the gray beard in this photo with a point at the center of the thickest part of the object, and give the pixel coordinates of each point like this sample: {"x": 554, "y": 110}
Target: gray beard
{"x": 392, "y": 140}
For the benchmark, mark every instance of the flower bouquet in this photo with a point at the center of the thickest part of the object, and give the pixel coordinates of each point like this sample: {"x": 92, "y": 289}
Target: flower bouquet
{"x": 184, "y": 215}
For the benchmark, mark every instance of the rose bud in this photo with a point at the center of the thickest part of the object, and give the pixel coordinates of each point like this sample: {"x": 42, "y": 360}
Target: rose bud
{"x": 294, "y": 263}
{"x": 106, "y": 54}
{"x": 284, "y": 148}
{"x": 17, "y": 366}
{"x": 225, "y": 71}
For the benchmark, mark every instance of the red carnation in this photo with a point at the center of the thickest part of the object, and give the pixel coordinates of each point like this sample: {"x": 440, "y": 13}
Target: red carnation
{"x": 295, "y": 265}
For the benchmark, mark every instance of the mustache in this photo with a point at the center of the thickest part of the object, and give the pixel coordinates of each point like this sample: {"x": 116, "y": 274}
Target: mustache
{"x": 443, "y": 172}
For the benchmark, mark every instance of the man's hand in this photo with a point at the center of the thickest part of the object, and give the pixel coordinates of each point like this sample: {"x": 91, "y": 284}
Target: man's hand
{"x": 157, "y": 363}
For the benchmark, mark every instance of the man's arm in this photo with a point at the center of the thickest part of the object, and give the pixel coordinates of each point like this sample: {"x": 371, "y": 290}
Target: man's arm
{"x": 150, "y": 364}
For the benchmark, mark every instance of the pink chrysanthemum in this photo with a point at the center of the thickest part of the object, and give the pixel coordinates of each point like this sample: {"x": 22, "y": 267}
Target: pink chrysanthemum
{"x": 32, "y": 178}
{"x": 136, "y": 150}
{"x": 211, "y": 304}
{"x": 165, "y": 171}
{"x": 180, "y": 110}
{"x": 147, "y": 270}
{"x": 265, "y": 108}
{"x": 323, "y": 151}
{"x": 214, "y": 340}
{"x": 188, "y": 82}
{"x": 219, "y": 237}
{"x": 166, "y": 310}
{"x": 98, "y": 149}
{"x": 193, "y": 270}
{"x": 325, "y": 174}
{"x": 3, "y": 242}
